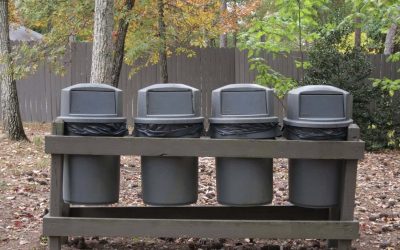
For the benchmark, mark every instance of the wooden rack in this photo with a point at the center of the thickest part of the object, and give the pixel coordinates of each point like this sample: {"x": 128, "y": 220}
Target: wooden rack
{"x": 336, "y": 224}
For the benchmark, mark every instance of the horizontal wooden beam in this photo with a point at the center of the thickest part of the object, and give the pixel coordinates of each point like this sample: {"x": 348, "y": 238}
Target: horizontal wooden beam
{"x": 205, "y": 212}
{"x": 280, "y": 148}
{"x": 73, "y": 226}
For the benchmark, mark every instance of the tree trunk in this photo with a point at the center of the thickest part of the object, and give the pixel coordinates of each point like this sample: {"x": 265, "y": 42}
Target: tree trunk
{"x": 12, "y": 123}
{"x": 102, "y": 42}
{"x": 163, "y": 41}
{"x": 119, "y": 47}
{"x": 357, "y": 33}
{"x": 389, "y": 41}
{"x": 301, "y": 42}
{"x": 212, "y": 43}
{"x": 223, "y": 38}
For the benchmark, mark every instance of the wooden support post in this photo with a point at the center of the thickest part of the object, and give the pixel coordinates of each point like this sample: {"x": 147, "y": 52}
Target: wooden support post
{"x": 334, "y": 214}
{"x": 56, "y": 201}
{"x": 348, "y": 190}
{"x": 197, "y": 221}
{"x": 57, "y": 205}
{"x": 57, "y": 127}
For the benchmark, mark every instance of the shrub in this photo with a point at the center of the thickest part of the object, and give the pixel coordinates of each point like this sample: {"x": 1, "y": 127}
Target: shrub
{"x": 374, "y": 110}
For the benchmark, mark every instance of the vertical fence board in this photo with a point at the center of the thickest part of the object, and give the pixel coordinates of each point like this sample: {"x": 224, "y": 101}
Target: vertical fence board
{"x": 134, "y": 82}
{"x": 88, "y": 60}
{"x": 236, "y": 69}
{"x": 172, "y": 63}
{"x": 386, "y": 67}
{"x": 48, "y": 93}
{"x": 21, "y": 99}
{"x": 375, "y": 63}
{"x": 74, "y": 63}
{"x": 39, "y": 93}
{"x": 33, "y": 85}
{"x": 40, "y": 85}
{"x": 122, "y": 85}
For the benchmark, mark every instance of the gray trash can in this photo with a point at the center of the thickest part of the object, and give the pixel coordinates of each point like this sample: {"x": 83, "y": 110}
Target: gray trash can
{"x": 169, "y": 110}
{"x": 243, "y": 111}
{"x": 316, "y": 112}
{"x": 92, "y": 110}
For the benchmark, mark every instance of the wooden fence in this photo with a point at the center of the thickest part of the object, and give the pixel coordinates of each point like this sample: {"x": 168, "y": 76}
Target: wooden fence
{"x": 39, "y": 93}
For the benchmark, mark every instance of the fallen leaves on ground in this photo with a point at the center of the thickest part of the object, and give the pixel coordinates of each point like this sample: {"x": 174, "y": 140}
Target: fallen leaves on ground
{"x": 24, "y": 192}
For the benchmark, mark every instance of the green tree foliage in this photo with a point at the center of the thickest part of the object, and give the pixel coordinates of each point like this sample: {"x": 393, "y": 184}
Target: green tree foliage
{"x": 188, "y": 24}
{"x": 294, "y": 24}
{"x": 388, "y": 85}
{"x": 379, "y": 17}
{"x": 60, "y": 22}
{"x": 335, "y": 63}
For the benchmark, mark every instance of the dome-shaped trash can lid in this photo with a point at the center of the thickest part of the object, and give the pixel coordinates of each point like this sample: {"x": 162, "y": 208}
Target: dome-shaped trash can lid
{"x": 318, "y": 106}
{"x": 242, "y": 103}
{"x": 171, "y": 103}
{"x": 91, "y": 102}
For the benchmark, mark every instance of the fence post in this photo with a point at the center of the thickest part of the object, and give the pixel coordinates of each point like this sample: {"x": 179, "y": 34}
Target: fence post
{"x": 348, "y": 191}
{"x": 57, "y": 206}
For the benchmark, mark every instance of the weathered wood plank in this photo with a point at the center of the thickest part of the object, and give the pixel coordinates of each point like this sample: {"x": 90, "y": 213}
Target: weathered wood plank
{"x": 348, "y": 187}
{"x": 56, "y": 185}
{"x": 349, "y": 179}
{"x": 56, "y": 201}
{"x": 349, "y": 190}
{"x": 72, "y": 226}
{"x": 334, "y": 215}
{"x": 353, "y": 134}
{"x": 47, "y": 99}
{"x": 208, "y": 73}
{"x": 204, "y": 147}
{"x": 55, "y": 243}
{"x": 204, "y": 212}
{"x": 57, "y": 127}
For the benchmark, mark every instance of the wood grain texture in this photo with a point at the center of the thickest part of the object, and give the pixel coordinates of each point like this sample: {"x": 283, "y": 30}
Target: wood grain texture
{"x": 204, "y": 212}
{"x": 220, "y": 221}
{"x": 198, "y": 228}
{"x": 56, "y": 201}
{"x": 204, "y": 147}
{"x": 208, "y": 70}
{"x": 348, "y": 187}
{"x": 55, "y": 243}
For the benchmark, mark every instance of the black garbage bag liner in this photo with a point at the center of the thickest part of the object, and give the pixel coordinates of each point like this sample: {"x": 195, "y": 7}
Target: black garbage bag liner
{"x": 228, "y": 129}
{"x": 190, "y": 130}
{"x": 96, "y": 129}
{"x": 328, "y": 134}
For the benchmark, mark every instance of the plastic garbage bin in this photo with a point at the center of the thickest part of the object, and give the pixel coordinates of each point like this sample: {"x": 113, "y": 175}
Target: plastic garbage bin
{"x": 316, "y": 112}
{"x": 92, "y": 110}
{"x": 169, "y": 111}
{"x": 243, "y": 111}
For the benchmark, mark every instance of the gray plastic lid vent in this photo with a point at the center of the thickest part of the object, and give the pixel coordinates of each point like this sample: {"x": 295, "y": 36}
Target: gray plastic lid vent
{"x": 171, "y": 103}
{"x": 322, "y": 106}
{"x": 91, "y": 102}
{"x": 242, "y": 103}
{"x": 318, "y": 106}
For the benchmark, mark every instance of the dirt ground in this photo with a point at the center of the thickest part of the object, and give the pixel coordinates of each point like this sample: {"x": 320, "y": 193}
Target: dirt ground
{"x": 24, "y": 192}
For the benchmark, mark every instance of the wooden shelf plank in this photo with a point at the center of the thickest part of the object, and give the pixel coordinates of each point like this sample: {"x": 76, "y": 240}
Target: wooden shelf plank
{"x": 72, "y": 226}
{"x": 204, "y": 212}
{"x": 280, "y": 148}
